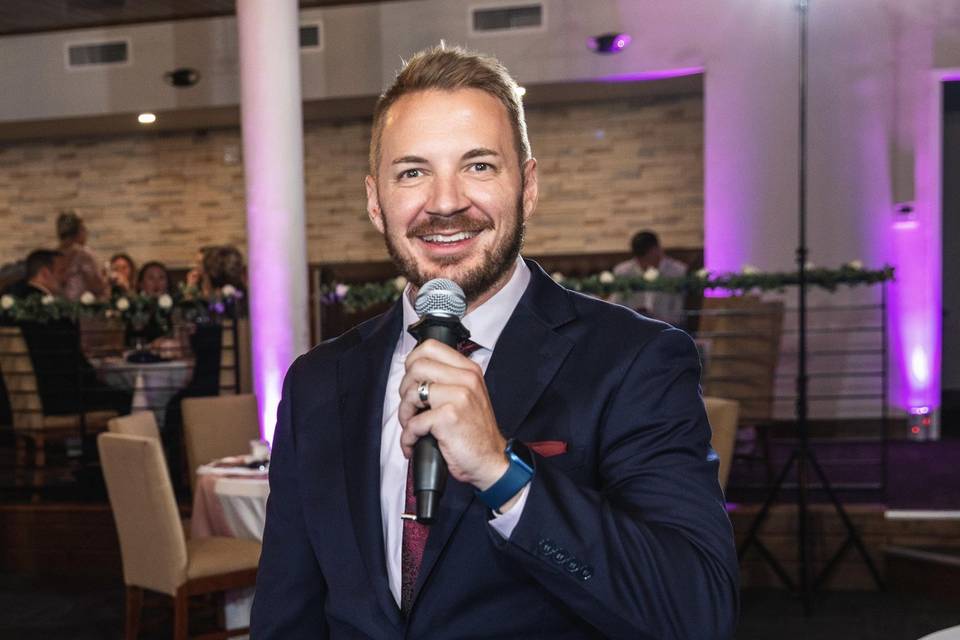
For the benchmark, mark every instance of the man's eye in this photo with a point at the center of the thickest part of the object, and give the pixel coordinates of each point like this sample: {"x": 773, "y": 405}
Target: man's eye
{"x": 480, "y": 167}
{"x": 410, "y": 173}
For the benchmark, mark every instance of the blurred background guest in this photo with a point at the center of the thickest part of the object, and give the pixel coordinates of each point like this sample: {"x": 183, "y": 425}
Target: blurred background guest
{"x": 153, "y": 279}
{"x": 82, "y": 270}
{"x": 648, "y": 254}
{"x": 120, "y": 273}
{"x": 222, "y": 265}
{"x": 66, "y": 381}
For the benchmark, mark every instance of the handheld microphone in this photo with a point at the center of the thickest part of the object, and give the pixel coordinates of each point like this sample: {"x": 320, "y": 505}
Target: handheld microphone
{"x": 440, "y": 304}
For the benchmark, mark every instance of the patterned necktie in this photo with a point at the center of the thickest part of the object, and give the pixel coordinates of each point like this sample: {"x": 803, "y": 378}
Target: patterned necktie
{"x": 415, "y": 533}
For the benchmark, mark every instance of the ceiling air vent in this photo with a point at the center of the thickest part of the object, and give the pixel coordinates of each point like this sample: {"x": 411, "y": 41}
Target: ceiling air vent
{"x": 311, "y": 37}
{"x": 98, "y": 54}
{"x": 499, "y": 19}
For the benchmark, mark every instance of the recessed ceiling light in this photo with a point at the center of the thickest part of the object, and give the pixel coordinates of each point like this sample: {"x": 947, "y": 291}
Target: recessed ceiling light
{"x": 147, "y": 118}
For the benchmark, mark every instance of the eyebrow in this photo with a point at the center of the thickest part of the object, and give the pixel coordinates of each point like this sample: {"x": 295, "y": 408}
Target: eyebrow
{"x": 479, "y": 152}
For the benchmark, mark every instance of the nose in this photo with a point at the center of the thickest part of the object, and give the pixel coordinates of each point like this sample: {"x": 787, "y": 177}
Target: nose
{"x": 446, "y": 196}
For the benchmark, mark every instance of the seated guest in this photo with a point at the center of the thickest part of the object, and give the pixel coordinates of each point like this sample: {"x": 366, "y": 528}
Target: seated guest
{"x": 647, "y": 254}
{"x": 66, "y": 381}
{"x": 153, "y": 279}
{"x": 82, "y": 271}
{"x": 121, "y": 273}
{"x": 219, "y": 266}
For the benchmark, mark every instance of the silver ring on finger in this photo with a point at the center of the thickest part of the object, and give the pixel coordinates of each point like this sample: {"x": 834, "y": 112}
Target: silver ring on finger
{"x": 423, "y": 391}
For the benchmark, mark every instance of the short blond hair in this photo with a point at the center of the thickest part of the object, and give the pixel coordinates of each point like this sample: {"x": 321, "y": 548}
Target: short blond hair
{"x": 448, "y": 69}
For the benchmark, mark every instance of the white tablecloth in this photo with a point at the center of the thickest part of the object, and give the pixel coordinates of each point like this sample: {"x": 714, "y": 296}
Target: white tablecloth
{"x": 153, "y": 384}
{"x": 231, "y": 502}
{"x": 953, "y": 633}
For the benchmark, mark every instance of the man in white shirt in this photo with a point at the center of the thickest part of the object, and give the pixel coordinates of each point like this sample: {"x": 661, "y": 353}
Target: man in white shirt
{"x": 648, "y": 254}
{"x": 582, "y": 499}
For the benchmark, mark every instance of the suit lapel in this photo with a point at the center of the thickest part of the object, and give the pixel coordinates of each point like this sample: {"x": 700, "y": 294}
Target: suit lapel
{"x": 516, "y": 377}
{"x": 362, "y": 377}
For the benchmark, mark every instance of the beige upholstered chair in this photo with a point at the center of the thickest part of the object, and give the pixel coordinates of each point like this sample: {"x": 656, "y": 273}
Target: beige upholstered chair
{"x": 154, "y": 551}
{"x": 30, "y": 424}
{"x": 141, "y": 423}
{"x": 218, "y": 426}
{"x": 723, "y": 415}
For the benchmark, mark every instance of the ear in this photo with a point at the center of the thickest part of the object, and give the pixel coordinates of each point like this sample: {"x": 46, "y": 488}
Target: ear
{"x": 373, "y": 203}
{"x": 531, "y": 190}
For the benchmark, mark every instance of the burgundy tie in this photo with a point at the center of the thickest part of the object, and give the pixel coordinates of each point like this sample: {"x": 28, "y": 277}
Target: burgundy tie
{"x": 415, "y": 533}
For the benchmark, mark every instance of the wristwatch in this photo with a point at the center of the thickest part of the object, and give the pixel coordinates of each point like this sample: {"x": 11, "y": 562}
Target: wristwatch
{"x": 518, "y": 474}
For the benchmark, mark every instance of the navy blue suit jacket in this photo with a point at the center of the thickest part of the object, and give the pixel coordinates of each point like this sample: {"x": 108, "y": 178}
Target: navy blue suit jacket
{"x": 624, "y": 536}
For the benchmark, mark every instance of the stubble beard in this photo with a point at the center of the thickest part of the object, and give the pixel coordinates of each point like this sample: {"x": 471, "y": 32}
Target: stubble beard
{"x": 497, "y": 260}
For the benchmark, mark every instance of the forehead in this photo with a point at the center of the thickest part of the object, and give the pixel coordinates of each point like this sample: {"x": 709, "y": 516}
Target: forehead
{"x": 435, "y": 120}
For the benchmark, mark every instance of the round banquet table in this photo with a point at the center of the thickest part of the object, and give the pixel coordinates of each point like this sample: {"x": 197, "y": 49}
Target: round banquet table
{"x": 153, "y": 383}
{"x": 231, "y": 501}
{"x": 951, "y": 633}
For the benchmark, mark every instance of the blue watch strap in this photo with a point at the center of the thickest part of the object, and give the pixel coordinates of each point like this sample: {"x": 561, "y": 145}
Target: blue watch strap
{"x": 518, "y": 474}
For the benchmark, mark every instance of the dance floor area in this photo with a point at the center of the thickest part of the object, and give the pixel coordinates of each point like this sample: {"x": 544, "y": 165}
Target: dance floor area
{"x": 72, "y": 610}
{"x": 917, "y": 475}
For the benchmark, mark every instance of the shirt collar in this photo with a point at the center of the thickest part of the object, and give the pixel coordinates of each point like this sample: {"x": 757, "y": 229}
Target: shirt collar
{"x": 487, "y": 321}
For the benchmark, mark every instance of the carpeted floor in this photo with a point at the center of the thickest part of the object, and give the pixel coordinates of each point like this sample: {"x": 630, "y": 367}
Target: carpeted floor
{"x": 32, "y": 610}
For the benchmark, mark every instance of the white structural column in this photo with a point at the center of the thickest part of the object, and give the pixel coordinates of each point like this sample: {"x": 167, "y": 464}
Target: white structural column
{"x": 273, "y": 169}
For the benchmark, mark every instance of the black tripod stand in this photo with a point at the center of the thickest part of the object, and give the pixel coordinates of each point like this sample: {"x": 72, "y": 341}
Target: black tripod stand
{"x": 802, "y": 456}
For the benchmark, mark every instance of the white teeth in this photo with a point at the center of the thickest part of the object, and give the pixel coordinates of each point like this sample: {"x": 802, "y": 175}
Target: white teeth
{"x": 457, "y": 237}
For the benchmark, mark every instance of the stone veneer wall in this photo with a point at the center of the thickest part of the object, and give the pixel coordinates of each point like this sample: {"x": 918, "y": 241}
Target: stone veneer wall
{"x": 607, "y": 170}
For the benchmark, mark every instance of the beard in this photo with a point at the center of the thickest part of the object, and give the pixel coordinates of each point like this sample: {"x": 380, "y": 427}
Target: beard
{"x": 495, "y": 262}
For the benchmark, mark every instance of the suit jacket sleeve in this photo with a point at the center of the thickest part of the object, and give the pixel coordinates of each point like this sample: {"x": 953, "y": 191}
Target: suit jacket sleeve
{"x": 648, "y": 553}
{"x": 291, "y": 591}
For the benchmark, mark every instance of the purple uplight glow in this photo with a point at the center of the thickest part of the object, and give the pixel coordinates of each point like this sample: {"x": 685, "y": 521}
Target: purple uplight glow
{"x": 644, "y": 76}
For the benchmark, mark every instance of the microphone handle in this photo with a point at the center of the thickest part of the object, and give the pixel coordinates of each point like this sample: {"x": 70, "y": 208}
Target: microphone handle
{"x": 429, "y": 467}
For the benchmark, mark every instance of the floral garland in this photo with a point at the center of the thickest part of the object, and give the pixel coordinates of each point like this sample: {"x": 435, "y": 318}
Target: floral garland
{"x": 359, "y": 297}
{"x": 134, "y": 310}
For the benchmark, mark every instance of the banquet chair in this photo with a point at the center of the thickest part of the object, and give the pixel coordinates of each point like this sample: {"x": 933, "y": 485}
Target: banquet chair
{"x": 743, "y": 336}
{"x": 141, "y": 423}
{"x": 155, "y": 554}
{"x": 723, "y": 415}
{"x": 218, "y": 426}
{"x": 31, "y": 426}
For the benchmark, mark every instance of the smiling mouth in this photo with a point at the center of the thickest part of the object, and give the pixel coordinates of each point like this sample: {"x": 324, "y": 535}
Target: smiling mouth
{"x": 452, "y": 238}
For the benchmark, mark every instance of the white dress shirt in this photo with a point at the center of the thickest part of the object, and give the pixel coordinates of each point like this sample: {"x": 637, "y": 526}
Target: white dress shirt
{"x": 485, "y": 324}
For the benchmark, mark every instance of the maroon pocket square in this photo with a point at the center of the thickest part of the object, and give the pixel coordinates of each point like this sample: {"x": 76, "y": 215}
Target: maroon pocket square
{"x": 548, "y": 448}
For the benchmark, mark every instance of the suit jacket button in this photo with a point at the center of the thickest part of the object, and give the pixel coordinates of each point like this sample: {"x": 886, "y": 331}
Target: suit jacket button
{"x": 547, "y": 546}
{"x": 573, "y": 565}
{"x": 586, "y": 573}
{"x": 560, "y": 556}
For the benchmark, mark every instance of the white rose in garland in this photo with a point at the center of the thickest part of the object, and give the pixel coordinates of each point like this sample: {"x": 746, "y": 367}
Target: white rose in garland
{"x": 651, "y": 274}
{"x": 703, "y": 274}
{"x": 606, "y": 277}
{"x": 122, "y": 304}
{"x": 557, "y": 277}
{"x": 87, "y": 298}
{"x": 749, "y": 270}
{"x": 341, "y": 291}
{"x": 400, "y": 283}
{"x": 7, "y": 302}
{"x": 46, "y": 300}
{"x": 855, "y": 264}
{"x": 228, "y": 291}
{"x": 165, "y": 301}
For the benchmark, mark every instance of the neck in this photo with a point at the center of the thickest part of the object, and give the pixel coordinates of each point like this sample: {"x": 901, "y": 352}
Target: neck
{"x": 34, "y": 282}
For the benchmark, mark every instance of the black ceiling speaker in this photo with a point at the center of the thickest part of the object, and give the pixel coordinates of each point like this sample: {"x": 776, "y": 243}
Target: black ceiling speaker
{"x": 182, "y": 77}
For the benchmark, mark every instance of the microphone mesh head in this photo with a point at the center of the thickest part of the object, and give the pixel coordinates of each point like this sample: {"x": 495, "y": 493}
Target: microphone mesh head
{"x": 441, "y": 297}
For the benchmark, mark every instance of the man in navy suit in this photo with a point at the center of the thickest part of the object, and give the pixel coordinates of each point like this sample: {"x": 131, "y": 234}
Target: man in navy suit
{"x": 583, "y": 500}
